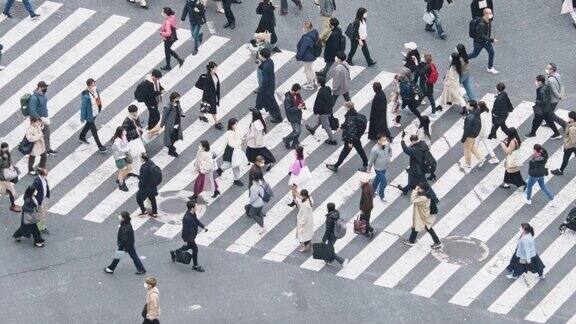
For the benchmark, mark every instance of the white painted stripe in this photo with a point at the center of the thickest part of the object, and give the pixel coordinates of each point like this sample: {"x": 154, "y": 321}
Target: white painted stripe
{"x": 455, "y": 216}
{"x": 278, "y": 212}
{"x": 65, "y": 62}
{"x": 554, "y": 300}
{"x": 435, "y": 279}
{"x": 107, "y": 169}
{"x": 190, "y": 99}
{"x": 572, "y": 320}
{"x": 37, "y": 50}
{"x": 26, "y": 26}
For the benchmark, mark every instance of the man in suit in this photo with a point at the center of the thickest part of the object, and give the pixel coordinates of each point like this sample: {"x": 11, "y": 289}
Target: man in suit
{"x": 293, "y": 104}
{"x": 190, "y": 224}
{"x": 502, "y": 107}
{"x": 147, "y": 187}
{"x": 40, "y": 183}
{"x": 265, "y": 98}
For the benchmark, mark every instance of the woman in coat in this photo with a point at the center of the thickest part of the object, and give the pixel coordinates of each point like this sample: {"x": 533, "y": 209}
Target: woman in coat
{"x": 359, "y": 37}
{"x": 412, "y": 59}
{"x": 30, "y": 217}
{"x": 299, "y": 172}
{"x": 525, "y": 259}
{"x": 304, "y": 219}
{"x": 422, "y": 197}
{"x": 407, "y": 94}
{"x": 122, "y": 157}
{"x": 511, "y": 147}
{"x": 482, "y": 139}
{"x": 267, "y": 22}
{"x": 8, "y": 176}
{"x": 209, "y": 83}
{"x": 125, "y": 243}
{"x": 233, "y": 156}
{"x": 255, "y": 207}
{"x": 168, "y": 34}
{"x": 255, "y": 140}
{"x": 172, "y": 123}
{"x": 151, "y": 311}
{"x": 34, "y": 135}
{"x": 536, "y": 172}
{"x": 366, "y": 202}
{"x": 323, "y": 110}
{"x": 331, "y": 217}
{"x": 451, "y": 93}
{"x": 204, "y": 164}
{"x": 332, "y": 46}
{"x": 378, "y": 115}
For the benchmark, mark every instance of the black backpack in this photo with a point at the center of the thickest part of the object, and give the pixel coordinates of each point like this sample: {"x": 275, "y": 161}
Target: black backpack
{"x": 361, "y": 123}
{"x": 139, "y": 92}
{"x": 472, "y": 27}
{"x": 428, "y": 162}
{"x": 350, "y": 31}
{"x": 417, "y": 93}
{"x": 342, "y": 44}
{"x": 156, "y": 175}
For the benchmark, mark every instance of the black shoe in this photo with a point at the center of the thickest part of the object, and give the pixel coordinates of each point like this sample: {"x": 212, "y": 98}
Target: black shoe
{"x": 108, "y": 270}
{"x": 8, "y": 16}
{"x": 216, "y": 193}
{"x": 219, "y": 171}
{"x": 530, "y": 135}
{"x": 34, "y": 16}
{"x": 173, "y": 256}
{"x": 405, "y": 241}
{"x": 123, "y": 187}
{"x": 332, "y": 167}
{"x": 51, "y": 152}
{"x": 319, "y": 74}
{"x": 201, "y": 37}
{"x": 218, "y": 126}
{"x": 198, "y": 268}
{"x": 292, "y": 204}
{"x": 193, "y": 198}
{"x": 557, "y": 172}
{"x": 83, "y": 141}
{"x": 350, "y": 62}
{"x": 310, "y": 130}
{"x": 173, "y": 153}
{"x": 232, "y": 26}
{"x": 276, "y": 50}
{"x": 269, "y": 167}
{"x": 372, "y": 63}
{"x": 203, "y": 119}
{"x": 166, "y": 68}
{"x": 432, "y": 178}
{"x": 439, "y": 108}
{"x": 429, "y": 28}
{"x": 180, "y": 62}
{"x": 330, "y": 142}
{"x": 253, "y": 42}
{"x": 140, "y": 272}
{"x": 443, "y": 36}
{"x": 362, "y": 169}
{"x": 464, "y": 111}
{"x": 276, "y": 121}
{"x": 102, "y": 150}
{"x": 238, "y": 183}
{"x": 401, "y": 189}
{"x": 286, "y": 144}
{"x": 194, "y": 51}
{"x": 227, "y": 25}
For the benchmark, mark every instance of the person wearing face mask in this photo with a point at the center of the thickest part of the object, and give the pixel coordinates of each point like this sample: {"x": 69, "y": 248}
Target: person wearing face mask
{"x": 305, "y": 53}
{"x": 190, "y": 225}
{"x": 323, "y": 111}
{"x": 8, "y": 176}
{"x": 425, "y": 207}
{"x": 553, "y": 80}
{"x": 255, "y": 146}
{"x": 334, "y": 43}
{"x": 233, "y": 157}
{"x": 134, "y": 132}
{"x": 433, "y": 7}
{"x": 122, "y": 157}
{"x": 172, "y": 123}
{"x": 168, "y": 34}
{"x": 500, "y": 110}
{"x": 331, "y": 218}
{"x": 35, "y": 135}
{"x": 525, "y": 258}
{"x": 151, "y": 311}
{"x": 378, "y": 115}
{"x": 30, "y": 218}
{"x": 536, "y": 172}
{"x": 150, "y": 92}
{"x": 125, "y": 243}
{"x": 209, "y": 83}
{"x": 543, "y": 108}
{"x": 148, "y": 181}
{"x": 472, "y": 128}
{"x": 90, "y": 108}
{"x": 196, "y": 12}
{"x": 258, "y": 167}
{"x": 416, "y": 172}
{"x": 39, "y": 109}
{"x": 359, "y": 37}
{"x": 483, "y": 39}
{"x": 205, "y": 166}
{"x": 366, "y": 202}
{"x": 380, "y": 159}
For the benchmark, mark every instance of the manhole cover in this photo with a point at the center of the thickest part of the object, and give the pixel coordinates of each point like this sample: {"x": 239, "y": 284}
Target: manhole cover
{"x": 461, "y": 250}
{"x": 172, "y": 206}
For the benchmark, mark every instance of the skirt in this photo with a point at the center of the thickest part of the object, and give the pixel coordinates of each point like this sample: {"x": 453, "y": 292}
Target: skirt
{"x": 517, "y": 268}
{"x": 121, "y": 164}
{"x": 514, "y": 178}
{"x": 253, "y": 152}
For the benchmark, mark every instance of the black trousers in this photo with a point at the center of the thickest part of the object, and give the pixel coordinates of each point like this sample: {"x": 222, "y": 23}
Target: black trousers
{"x": 366, "y": 218}
{"x": 413, "y": 181}
{"x": 191, "y": 245}
{"x": 228, "y": 11}
{"x": 413, "y": 106}
{"x": 414, "y": 234}
{"x": 548, "y": 117}
{"x": 140, "y": 197}
{"x": 90, "y": 126}
{"x": 153, "y": 117}
{"x": 32, "y": 158}
{"x": 566, "y": 157}
{"x": 357, "y": 145}
{"x": 132, "y": 253}
{"x": 148, "y": 321}
{"x": 365, "y": 51}
{"x": 268, "y": 102}
{"x": 168, "y": 51}
{"x": 495, "y": 127}
{"x": 335, "y": 97}
{"x": 557, "y": 119}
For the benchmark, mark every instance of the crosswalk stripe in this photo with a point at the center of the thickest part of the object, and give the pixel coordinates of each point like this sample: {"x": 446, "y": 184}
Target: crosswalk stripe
{"x": 107, "y": 169}
{"x": 14, "y": 68}
{"x": 280, "y": 210}
{"x": 435, "y": 279}
{"x": 65, "y": 62}
{"x": 554, "y": 300}
{"x": 26, "y": 26}
{"x": 116, "y": 198}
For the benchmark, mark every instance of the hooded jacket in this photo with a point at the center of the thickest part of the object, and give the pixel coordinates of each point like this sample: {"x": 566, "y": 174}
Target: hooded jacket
{"x": 416, "y": 153}
{"x": 305, "y": 47}
{"x": 331, "y": 219}
{"x": 537, "y": 164}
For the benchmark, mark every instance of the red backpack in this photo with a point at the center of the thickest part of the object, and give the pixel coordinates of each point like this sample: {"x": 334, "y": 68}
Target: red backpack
{"x": 432, "y": 77}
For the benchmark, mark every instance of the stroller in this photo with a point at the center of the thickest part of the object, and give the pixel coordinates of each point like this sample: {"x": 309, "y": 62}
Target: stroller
{"x": 570, "y": 221}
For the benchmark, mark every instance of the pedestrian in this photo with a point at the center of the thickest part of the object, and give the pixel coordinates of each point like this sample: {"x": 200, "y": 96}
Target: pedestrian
{"x": 556, "y": 91}
{"x": 142, "y": 3}
{"x": 150, "y": 92}
{"x": 256, "y": 203}
{"x": 433, "y": 7}
{"x": 266, "y": 87}
{"x": 304, "y": 218}
{"x": 327, "y": 8}
{"x": 39, "y": 108}
{"x": 256, "y": 168}
{"x": 134, "y": 131}
{"x": 366, "y": 202}
{"x": 472, "y": 128}
{"x": 90, "y": 108}
{"x": 148, "y": 182}
{"x": 27, "y": 5}
{"x": 465, "y": 78}
{"x": 205, "y": 166}
{"x": 230, "y": 19}
{"x": 42, "y": 187}
{"x": 30, "y": 218}
{"x": 536, "y": 172}
{"x": 8, "y": 176}
{"x": 424, "y": 200}
{"x": 172, "y": 122}
{"x": 483, "y": 38}
{"x": 359, "y": 37}
{"x": 125, "y": 244}
{"x": 35, "y": 135}
{"x": 267, "y": 22}
{"x": 477, "y": 7}
{"x": 425, "y": 134}
{"x": 451, "y": 93}
{"x": 151, "y": 310}
{"x": 428, "y": 73}
{"x": 122, "y": 157}
{"x": 195, "y": 10}
{"x": 233, "y": 157}
{"x": 168, "y": 34}
{"x": 331, "y": 218}
{"x": 500, "y": 110}
{"x": 525, "y": 258}
{"x": 323, "y": 111}
{"x": 209, "y": 83}
{"x": 407, "y": 87}
{"x": 299, "y": 172}
{"x": 569, "y": 142}
{"x": 378, "y": 114}
{"x": 543, "y": 108}
{"x": 284, "y": 6}
{"x": 511, "y": 147}
{"x": 293, "y": 105}
{"x": 416, "y": 173}
{"x": 305, "y": 52}
{"x": 341, "y": 79}
{"x": 255, "y": 141}
{"x": 412, "y": 59}
{"x": 352, "y": 131}
{"x": 380, "y": 156}
{"x": 190, "y": 225}
{"x": 484, "y": 132}
{"x": 334, "y": 43}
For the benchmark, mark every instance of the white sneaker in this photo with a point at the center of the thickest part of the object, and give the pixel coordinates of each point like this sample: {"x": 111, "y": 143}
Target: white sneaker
{"x": 494, "y": 160}
{"x": 527, "y": 201}
{"x": 262, "y": 230}
{"x": 510, "y": 276}
{"x": 308, "y": 87}
{"x": 396, "y": 125}
{"x": 432, "y": 116}
{"x": 481, "y": 163}
{"x": 492, "y": 70}
{"x": 220, "y": 10}
{"x": 2, "y": 67}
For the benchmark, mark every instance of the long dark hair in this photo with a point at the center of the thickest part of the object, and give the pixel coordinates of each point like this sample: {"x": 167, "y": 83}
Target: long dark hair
{"x": 462, "y": 52}
{"x": 231, "y": 123}
{"x": 425, "y": 124}
{"x": 118, "y": 132}
{"x": 210, "y": 66}
{"x": 527, "y": 228}
{"x": 168, "y": 11}
{"x": 205, "y": 145}
{"x": 300, "y": 153}
{"x": 305, "y": 196}
{"x": 360, "y": 13}
{"x": 29, "y": 192}
{"x": 482, "y": 106}
{"x": 456, "y": 62}
{"x": 513, "y": 134}
{"x": 257, "y": 115}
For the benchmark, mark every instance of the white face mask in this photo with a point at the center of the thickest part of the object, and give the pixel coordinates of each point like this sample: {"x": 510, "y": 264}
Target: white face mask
{"x": 547, "y": 70}
{"x": 120, "y": 217}
{"x": 146, "y": 285}
{"x": 365, "y": 15}
{"x": 490, "y": 16}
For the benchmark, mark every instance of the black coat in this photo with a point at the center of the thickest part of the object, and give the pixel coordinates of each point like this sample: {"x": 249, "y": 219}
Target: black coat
{"x": 477, "y": 12}
{"x": 483, "y": 32}
{"x": 416, "y": 153}
{"x": 131, "y": 127}
{"x": 434, "y": 4}
{"x": 333, "y": 45}
{"x": 146, "y": 184}
{"x": 349, "y": 127}
{"x": 543, "y": 97}
{"x": 125, "y": 237}
{"x": 267, "y": 21}
{"x": 472, "y": 125}
{"x": 409, "y": 61}
{"x": 196, "y": 18}
{"x": 150, "y": 94}
{"x": 537, "y": 165}
{"x": 190, "y": 224}
{"x": 268, "y": 77}
{"x": 502, "y": 107}
{"x": 37, "y": 184}
{"x": 293, "y": 113}
{"x": 331, "y": 219}
{"x": 323, "y": 103}
{"x": 378, "y": 121}
{"x": 210, "y": 91}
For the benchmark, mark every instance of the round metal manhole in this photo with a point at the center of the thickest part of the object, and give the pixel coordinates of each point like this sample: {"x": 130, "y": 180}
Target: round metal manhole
{"x": 172, "y": 206}
{"x": 461, "y": 250}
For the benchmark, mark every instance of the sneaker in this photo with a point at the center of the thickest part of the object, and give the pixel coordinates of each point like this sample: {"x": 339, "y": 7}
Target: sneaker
{"x": 107, "y": 270}
{"x": 102, "y": 150}
{"x": 396, "y": 125}
{"x": 432, "y": 116}
{"x": 166, "y": 68}
{"x": 308, "y": 87}
{"x": 481, "y": 163}
{"x": 123, "y": 187}
{"x": 262, "y": 230}
{"x": 557, "y": 172}
{"x": 218, "y": 126}
{"x": 180, "y": 62}
{"x": 198, "y": 268}
{"x": 45, "y": 231}
{"x": 238, "y": 183}
{"x": 32, "y": 172}
{"x": 510, "y": 276}
{"x": 542, "y": 277}
{"x": 173, "y": 154}
{"x": 362, "y": 169}
{"x": 436, "y": 246}
{"x": 556, "y": 136}
{"x": 492, "y": 70}
{"x": 530, "y": 135}
{"x": 83, "y": 141}
{"x": 51, "y": 152}
{"x": 173, "y": 256}
{"x": 372, "y": 63}
{"x": 406, "y": 242}
{"x": 402, "y": 189}
{"x": 220, "y": 10}
{"x": 526, "y": 200}
{"x": 40, "y": 245}
{"x": 194, "y": 51}
{"x": 34, "y": 16}
{"x": 310, "y": 130}
{"x": 253, "y": 43}
{"x": 443, "y": 36}
{"x": 494, "y": 160}
{"x": 332, "y": 168}
{"x": 330, "y": 142}
{"x": 8, "y": 16}
{"x": 140, "y": 272}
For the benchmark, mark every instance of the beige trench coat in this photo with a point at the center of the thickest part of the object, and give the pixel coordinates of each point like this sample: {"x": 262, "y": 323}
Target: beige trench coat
{"x": 421, "y": 214}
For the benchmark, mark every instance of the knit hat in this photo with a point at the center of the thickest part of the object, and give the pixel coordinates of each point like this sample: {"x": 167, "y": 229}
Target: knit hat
{"x": 411, "y": 46}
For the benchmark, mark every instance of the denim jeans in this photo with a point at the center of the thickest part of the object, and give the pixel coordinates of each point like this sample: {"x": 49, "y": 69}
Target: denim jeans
{"x": 380, "y": 182}
{"x": 195, "y": 30}
{"x": 26, "y": 3}
{"x": 437, "y": 22}
{"x": 532, "y": 181}
{"x": 466, "y": 82}
{"x": 488, "y": 47}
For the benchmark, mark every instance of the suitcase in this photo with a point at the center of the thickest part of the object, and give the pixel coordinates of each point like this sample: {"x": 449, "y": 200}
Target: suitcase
{"x": 183, "y": 257}
{"x": 323, "y": 251}
{"x": 359, "y": 226}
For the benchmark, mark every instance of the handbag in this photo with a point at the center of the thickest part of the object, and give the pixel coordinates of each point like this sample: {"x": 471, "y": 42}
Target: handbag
{"x": 205, "y": 107}
{"x": 10, "y": 173}
{"x": 145, "y": 310}
{"x": 25, "y": 146}
{"x": 359, "y": 226}
{"x": 30, "y": 218}
{"x": 513, "y": 160}
{"x": 428, "y": 17}
{"x": 118, "y": 254}
{"x": 334, "y": 122}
